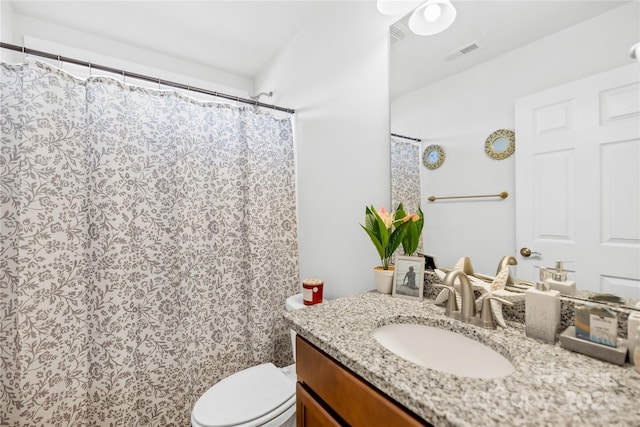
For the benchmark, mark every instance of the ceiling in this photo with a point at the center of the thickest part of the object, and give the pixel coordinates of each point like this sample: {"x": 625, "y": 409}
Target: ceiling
{"x": 497, "y": 27}
{"x": 239, "y": 37}
{"x": 242, "y": 37}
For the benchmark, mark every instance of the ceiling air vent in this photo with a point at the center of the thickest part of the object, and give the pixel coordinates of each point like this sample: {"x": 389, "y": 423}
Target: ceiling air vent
{"x": 397, "y": 32}
{"x": 462, "y": 51}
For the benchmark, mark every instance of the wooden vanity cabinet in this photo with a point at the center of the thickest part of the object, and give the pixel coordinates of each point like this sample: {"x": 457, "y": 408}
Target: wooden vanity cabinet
{"x": 329, "y": 395}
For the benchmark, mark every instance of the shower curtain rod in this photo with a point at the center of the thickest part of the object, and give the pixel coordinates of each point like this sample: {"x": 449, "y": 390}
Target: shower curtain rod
{"x": 406, "y": 137}
{"x": 159, "y": 81}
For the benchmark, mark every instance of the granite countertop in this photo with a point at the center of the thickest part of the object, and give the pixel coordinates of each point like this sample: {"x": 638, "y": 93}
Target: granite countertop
{"x": 551, "y": 386}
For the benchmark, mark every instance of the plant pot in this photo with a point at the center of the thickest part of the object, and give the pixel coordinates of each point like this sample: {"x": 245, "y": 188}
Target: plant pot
{"x": 384, "y": 279}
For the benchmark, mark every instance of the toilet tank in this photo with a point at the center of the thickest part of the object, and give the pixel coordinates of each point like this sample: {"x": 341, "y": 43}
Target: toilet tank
{"x": 294, "y": 302}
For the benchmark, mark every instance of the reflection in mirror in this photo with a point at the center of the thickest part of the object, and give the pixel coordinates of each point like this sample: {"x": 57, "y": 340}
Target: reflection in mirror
{"x": 454, "y": 96}
{"x": 405, "y": 175}
{"x": 500, "y": 144}
{"x": 433, "y": 157}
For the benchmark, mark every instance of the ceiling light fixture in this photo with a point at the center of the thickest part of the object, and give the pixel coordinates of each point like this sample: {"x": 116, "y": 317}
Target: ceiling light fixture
{"x": 432, "y": 17}
{"x": 432, "y": 12}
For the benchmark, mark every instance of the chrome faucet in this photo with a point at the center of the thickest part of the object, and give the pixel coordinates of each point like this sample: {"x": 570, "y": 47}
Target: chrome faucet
{"x": 467, "y": 313}
{"x": 468, "y": 309}
{"x": 486, "y": 319}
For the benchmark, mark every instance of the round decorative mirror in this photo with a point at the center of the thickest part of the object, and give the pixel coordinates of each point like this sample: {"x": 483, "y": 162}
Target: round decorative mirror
{"x": 500, "y": 144}
{"x": 433, "y": 157}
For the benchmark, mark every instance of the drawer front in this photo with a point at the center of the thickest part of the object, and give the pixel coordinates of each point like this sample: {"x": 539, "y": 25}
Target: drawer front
{"x": 310, "y": 413}
{"x": 354, "y": 400}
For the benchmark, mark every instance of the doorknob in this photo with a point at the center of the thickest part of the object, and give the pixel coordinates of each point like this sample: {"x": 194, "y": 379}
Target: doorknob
{"x": 526, "y": 252}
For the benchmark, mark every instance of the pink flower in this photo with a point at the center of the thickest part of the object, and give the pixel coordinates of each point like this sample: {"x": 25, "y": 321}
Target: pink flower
{"x": 386, "y": 217}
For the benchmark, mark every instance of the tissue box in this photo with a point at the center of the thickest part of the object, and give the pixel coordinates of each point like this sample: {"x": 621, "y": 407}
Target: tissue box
{"x": 597, "y": 323}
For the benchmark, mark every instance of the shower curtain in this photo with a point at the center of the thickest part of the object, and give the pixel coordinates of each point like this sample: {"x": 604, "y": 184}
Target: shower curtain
{"x": 147, "y": 244}
{"x": 405, "y": 177}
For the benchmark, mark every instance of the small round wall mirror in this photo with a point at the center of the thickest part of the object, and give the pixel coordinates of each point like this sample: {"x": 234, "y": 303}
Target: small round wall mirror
{"x": 500, "y": 144}
{"x": 433, "y": 157}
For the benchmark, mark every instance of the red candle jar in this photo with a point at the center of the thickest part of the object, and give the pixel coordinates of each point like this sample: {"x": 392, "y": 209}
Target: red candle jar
{"x": 312, "y": 291}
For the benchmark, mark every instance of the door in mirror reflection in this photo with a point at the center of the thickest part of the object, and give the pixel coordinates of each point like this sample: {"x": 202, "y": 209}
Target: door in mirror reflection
{"x": 578, "y": 181}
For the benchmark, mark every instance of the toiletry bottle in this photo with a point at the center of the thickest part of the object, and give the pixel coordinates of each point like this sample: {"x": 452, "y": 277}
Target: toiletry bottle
{"x": 542, "y": 312}
{"x": 558, "y": 280}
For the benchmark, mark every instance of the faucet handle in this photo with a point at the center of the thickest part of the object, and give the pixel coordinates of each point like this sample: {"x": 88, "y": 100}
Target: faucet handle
{"x": 452, "y": 302}
{"x": 486, "y": 319}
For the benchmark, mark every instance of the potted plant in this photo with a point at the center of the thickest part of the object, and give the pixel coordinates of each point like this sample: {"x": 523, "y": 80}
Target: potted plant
{"x": 413, "y": 231}
{"x": 386, "y": 230}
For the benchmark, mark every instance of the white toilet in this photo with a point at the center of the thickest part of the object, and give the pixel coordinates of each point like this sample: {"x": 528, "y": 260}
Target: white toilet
{"x": 260, "y": 396}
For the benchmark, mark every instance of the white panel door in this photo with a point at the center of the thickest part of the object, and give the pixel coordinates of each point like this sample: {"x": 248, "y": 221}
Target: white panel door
{"x": 578, "y": 181}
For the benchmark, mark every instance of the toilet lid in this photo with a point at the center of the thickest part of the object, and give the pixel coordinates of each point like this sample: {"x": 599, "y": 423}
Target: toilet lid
{"x": 244, "y": 396}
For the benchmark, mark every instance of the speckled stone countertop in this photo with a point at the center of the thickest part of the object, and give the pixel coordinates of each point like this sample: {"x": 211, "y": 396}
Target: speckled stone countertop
{"x": 551, "y": 386}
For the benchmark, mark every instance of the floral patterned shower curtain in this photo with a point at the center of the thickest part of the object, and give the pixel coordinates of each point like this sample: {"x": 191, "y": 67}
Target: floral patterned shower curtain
{"x": 405, "y": 177}
{"x": 147, "y": 244}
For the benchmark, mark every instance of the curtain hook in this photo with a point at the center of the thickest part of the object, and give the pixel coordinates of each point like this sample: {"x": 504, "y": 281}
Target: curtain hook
{"x": 59, "y": 62}
{"x": 159, "y": 83}
{"x": 123, "y": 78}
{"x": 90, "y": 70}
{"x": 24, "y": 54}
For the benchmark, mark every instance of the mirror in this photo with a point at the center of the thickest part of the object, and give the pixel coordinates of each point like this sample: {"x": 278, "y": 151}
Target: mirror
{"x": 433, "y": 157}
{"x": 500, "y": 144}
{"x": 455, "y": 88}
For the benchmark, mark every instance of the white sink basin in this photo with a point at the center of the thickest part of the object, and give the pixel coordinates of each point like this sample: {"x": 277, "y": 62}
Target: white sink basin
{"x": 443, "y": 351}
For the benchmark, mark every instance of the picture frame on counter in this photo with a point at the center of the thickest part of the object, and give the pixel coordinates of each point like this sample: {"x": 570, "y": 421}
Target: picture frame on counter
{"x": 408, "y": 278}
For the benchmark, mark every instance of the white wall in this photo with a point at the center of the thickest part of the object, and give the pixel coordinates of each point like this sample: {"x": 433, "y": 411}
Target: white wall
{"x": 50, "y": 37}
{"x": 6, "y": 32}
{"x": 462, "y": 110}
{"x": 6, "y": 29}
{"x": 335, "y": 75}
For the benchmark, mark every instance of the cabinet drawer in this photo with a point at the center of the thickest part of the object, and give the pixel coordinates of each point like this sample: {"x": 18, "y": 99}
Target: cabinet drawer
{"x": 355, "y": 401}
{"x": 310, "y": 413}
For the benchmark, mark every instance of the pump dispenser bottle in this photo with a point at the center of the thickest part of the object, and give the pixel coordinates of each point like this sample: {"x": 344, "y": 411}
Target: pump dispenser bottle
{"x": 542, "y": 312}
{"x": 557, "y": 280}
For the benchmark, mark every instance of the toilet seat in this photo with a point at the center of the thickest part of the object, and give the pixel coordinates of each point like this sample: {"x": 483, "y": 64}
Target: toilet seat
{"x": 248, "y": 398}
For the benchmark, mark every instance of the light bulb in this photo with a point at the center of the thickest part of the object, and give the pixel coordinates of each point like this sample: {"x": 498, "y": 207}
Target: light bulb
{"x": 432, "y": 17}
{"x": 432, "y": 12}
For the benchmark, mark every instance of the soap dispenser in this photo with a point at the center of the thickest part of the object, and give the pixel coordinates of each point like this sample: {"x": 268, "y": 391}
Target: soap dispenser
{"x": 542, "y": 312}
{"x": 557, "y": 280}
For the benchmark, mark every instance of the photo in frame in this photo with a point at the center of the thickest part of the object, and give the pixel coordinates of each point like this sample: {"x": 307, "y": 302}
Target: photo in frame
{"x": 408, "y": 278}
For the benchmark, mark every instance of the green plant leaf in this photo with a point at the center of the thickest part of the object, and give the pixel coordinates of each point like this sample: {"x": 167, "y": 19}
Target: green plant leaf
{"x": 387, "y": 241}
{"x": 412, "y": 236}
{"x": 375, "y": 241}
